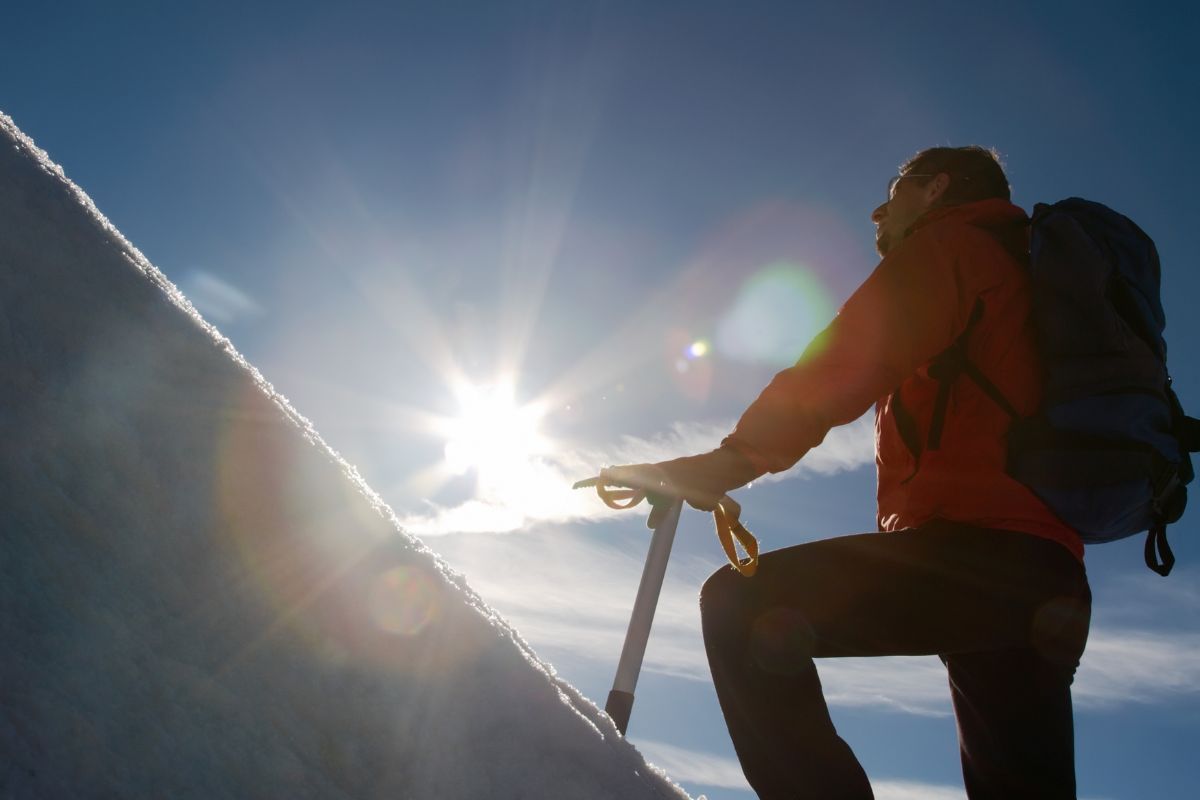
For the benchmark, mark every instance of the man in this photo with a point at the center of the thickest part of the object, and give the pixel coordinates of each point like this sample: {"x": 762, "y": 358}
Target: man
{"x": 970, "y": 565}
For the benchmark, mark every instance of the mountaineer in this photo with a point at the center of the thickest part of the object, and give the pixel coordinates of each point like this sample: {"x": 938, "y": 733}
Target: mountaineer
{"x": 970, "y": 566}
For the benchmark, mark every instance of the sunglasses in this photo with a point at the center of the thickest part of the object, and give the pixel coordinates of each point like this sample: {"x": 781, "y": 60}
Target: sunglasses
{"x": 895, "y": 181}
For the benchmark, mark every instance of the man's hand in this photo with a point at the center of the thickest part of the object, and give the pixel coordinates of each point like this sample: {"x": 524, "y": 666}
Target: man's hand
{"x": 701, "y": 480}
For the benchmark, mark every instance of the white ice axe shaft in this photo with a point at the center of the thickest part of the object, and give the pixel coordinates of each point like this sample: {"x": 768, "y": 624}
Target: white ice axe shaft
{"x": 620, "y": 699}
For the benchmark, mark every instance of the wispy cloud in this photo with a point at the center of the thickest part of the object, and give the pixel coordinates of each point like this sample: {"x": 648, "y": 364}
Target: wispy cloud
{"x": 845, "y": 448}
{"x": 218, "y": 300}
{"x": 694, "y": 766}
{"x": 1132, "y": 666}
{"x": 1134, "y": 596}
{"x": 912, "y": 685}
{"x": 539, "y": 490}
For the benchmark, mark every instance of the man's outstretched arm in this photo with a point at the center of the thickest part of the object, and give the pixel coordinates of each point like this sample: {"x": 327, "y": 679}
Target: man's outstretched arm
{"x": 904, "y": 314}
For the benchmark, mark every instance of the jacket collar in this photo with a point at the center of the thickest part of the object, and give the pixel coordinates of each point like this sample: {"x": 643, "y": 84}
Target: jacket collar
{"x": 1007, "y": 223}
{"x": 991, "y": 214}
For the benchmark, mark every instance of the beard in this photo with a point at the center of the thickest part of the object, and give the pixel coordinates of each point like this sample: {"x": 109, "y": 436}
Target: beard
{"x": 883, "y": 242}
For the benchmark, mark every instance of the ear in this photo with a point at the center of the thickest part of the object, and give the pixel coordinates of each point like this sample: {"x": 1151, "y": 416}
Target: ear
{"x": 936, "y": 188}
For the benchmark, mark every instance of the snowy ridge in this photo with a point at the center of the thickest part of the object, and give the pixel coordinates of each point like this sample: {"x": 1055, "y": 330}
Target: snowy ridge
{"x": 198, "y": 596}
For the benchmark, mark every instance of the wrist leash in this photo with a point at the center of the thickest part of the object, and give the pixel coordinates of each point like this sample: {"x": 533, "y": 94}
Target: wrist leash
{"x": 725, "y": 517}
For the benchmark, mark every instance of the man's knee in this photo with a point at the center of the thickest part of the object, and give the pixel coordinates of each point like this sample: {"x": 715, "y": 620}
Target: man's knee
{"x": 729, "y": 602}
{"x": 778, "y": 639}
{"x": 723, "y": 599}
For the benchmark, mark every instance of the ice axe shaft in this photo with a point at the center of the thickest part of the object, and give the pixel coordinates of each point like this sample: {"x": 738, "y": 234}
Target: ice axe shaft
{"x": 620, "y": 699}
{"x": 622, "y": 495}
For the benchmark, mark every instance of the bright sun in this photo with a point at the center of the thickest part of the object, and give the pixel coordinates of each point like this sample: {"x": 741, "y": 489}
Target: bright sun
{"x": 491, "y": 432}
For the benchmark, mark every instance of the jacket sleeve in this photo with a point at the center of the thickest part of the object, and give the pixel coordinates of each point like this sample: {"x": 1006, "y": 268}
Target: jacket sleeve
{"x": 909, "y": 310}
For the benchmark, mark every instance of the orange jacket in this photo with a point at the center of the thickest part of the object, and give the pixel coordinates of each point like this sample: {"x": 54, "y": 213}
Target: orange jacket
{"x": 912, "y": 307}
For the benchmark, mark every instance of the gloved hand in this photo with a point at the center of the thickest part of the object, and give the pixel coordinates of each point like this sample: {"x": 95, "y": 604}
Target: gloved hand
{"x": 701, "y": 480}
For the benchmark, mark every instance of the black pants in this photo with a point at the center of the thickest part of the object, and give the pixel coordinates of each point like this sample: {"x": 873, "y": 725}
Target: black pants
{"x": 1007, "y": 612}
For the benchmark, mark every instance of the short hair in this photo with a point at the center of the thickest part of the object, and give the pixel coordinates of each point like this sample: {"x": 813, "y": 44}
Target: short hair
{"x": 975, "y": 172}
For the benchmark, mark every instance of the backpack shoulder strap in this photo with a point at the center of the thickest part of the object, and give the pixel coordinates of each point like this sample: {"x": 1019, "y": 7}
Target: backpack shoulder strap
{"x": 946, "y": 368}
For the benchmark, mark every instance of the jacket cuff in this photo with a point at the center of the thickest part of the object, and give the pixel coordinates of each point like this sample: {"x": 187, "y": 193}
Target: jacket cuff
{"x": 744, "y": 460}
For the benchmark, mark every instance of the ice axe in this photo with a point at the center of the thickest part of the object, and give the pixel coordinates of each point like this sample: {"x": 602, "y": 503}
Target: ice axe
{"x": 619, "y": 705}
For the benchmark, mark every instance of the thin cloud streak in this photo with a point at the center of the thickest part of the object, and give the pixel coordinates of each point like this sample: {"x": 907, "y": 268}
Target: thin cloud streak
{"x": 845, "y": 448}
{"x": 905, "y": 684}
{"x": 1134, "y": 666}
{"x": 217, "y": 299}
{"x": 1133, "y": 596}
{"x": 539, "y": 490}
{"x": 694, "y": 766}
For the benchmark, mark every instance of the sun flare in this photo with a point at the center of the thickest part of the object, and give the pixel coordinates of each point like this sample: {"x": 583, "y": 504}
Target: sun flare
{"x": 492, "y": 433}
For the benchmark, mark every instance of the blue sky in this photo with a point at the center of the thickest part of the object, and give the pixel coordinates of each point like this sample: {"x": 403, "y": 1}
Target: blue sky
{"x": 383, "y": 207}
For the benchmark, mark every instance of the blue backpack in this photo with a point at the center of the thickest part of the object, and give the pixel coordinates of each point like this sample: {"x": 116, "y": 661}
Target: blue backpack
{"x": 1108, "y": 449}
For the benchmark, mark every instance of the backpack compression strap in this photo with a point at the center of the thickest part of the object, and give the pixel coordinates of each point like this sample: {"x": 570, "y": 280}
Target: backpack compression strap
{"x": 1170, "y": 498}
{"x": 725, "y": 517}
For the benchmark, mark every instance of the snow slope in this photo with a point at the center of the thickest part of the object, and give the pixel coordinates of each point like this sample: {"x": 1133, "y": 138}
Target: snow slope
{"x": 198, "y": 597}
